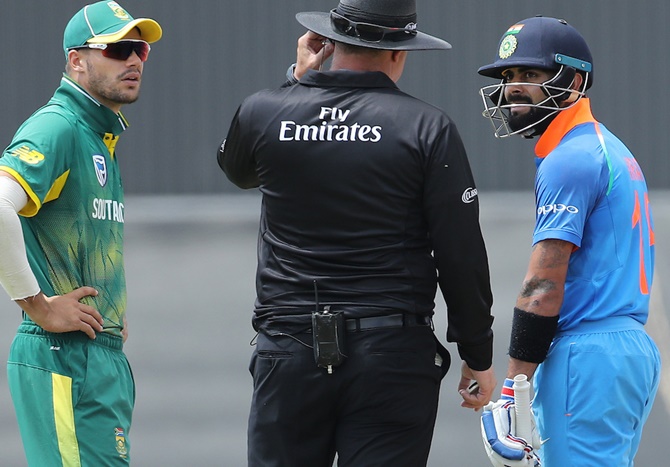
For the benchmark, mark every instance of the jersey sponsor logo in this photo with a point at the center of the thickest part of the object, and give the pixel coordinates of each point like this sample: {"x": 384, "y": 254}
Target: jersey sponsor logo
{"x": 100, "y": 165}
{"x": 333, "y": 127}
{"x": 27, "y": 155}
{"x": 469, "y": 195}
{"x": 556, "y": 209}
{"x": 108, "y": 210}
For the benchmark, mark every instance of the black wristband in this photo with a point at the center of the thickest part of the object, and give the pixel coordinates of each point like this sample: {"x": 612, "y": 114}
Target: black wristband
{"x": 290, "y": 75}
{"x": 531, "y": 336}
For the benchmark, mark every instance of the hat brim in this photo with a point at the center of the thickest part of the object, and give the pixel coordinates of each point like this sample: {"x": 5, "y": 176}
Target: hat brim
{"x": 150, "y": 31}
{"x": 319, "y": 23}
{"x": 494, "y": 70}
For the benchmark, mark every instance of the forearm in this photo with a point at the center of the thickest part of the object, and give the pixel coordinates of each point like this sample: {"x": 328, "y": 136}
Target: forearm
{"x": 519, "y": 367}
{"x": 16, "y": 276}
{"x": 543, "y": 287}
{"x": 467, "y": 293}
{"x": 465, "y": 283}
{"x": 538, "y": 306}
{"x": 534, "y": 299}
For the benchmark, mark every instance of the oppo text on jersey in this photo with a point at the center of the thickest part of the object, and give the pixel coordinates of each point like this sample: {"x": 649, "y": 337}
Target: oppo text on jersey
{"x": 556, "y": 209}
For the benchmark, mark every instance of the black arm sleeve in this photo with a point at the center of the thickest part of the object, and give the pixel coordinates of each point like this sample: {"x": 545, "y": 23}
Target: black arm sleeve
{"x": 236, "y": 158}
{"x": 452, "y": 210}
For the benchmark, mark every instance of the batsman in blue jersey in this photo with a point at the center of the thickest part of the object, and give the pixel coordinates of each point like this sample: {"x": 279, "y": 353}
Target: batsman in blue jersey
{"x": 578, "y": 324}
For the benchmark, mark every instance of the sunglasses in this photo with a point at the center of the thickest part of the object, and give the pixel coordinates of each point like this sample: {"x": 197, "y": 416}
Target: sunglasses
{"x": 370, "y": 32}
{"x": 120, "y": 50}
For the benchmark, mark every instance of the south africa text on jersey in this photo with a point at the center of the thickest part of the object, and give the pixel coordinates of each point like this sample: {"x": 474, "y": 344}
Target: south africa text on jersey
{"x": 107, "y": 209}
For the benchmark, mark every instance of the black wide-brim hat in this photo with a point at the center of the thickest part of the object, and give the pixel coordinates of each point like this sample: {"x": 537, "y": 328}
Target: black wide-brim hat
{"x": 385, "y": 13}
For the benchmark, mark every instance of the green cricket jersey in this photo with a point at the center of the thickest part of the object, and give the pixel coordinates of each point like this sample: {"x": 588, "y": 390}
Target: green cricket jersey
{"x": 63, "y": 156}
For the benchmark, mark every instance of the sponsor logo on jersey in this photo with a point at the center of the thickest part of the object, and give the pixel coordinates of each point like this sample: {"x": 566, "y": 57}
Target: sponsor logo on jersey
{"x": 28, "y": 155}
{"x": 100, "y": 165}
{"x": 332, "y": 127}
{"x": 108, "y": 210}
{"x": 556, "y": 209}
{"x": 469, "y": 195}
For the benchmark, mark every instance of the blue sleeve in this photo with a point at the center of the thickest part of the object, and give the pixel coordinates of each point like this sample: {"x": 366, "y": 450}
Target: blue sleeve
{"x": 567, "y": 187}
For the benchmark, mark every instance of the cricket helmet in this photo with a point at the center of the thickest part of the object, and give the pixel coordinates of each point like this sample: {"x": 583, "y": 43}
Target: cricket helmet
{"x": 543, "y": 43}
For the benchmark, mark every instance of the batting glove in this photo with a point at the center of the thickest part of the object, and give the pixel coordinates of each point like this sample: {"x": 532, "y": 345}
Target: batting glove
{"x": 498, "y": 425}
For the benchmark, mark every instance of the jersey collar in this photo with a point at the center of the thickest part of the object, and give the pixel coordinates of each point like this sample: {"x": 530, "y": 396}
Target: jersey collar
{"x": 347, "y": 78}
{"x": 100, "y": 118}
{"x": 565, "y": 121}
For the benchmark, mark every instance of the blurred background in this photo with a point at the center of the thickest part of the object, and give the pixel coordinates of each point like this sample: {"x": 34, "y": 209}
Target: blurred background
{"x": 191, "y": 235}
{"x": 216, "y": 52}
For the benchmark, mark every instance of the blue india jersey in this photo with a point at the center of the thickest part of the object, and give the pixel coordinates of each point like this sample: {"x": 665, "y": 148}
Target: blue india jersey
{"x": 590, "y": 191}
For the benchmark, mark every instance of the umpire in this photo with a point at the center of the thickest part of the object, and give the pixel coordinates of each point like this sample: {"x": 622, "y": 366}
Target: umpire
{"x": 368, "y": 203}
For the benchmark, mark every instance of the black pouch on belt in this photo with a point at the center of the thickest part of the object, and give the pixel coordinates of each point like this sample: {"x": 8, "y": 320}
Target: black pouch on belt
{"x": 328, "y": 332}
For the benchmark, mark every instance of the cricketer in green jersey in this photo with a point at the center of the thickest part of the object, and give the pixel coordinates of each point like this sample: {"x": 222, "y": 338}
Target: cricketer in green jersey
{"x": 61, "y": 248}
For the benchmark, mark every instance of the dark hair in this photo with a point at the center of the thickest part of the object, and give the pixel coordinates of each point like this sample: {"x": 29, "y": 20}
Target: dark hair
{"x": 357, "y": 50}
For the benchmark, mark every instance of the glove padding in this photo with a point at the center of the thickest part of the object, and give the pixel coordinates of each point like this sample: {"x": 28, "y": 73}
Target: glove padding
{"x": 498, "y": 425}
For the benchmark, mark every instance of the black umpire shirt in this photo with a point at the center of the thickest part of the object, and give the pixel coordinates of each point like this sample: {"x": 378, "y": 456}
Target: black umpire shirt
{"x": 368, "y": 202}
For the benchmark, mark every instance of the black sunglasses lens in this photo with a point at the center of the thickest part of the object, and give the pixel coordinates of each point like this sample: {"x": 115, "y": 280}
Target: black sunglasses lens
{"x": 122, "y": 50}
{"x": 364, "y": 31}
{"x": 118, "y": 50}
{"x": 142, "y": 50}
{"x": 370, "y": 32}
{"x": 342, "y": 25}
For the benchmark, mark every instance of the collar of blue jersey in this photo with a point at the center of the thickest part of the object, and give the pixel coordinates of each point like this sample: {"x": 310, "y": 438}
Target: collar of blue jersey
{"x": 100, "y": 118}
{"x": 347, "y": 78}
{"x": 565, "y": 121}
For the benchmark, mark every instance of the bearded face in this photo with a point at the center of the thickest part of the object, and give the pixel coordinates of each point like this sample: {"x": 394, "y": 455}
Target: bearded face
{"x": 533, "y": 119}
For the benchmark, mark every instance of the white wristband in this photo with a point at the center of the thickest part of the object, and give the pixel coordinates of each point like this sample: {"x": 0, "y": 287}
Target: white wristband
{"x": 16, "y": 276}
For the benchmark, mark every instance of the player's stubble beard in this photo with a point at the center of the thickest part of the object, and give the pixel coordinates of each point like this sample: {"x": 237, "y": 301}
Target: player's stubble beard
{"x": 518, "y": 120}
{"x": 530, "y": 118}
{"x": 109, "y": 87}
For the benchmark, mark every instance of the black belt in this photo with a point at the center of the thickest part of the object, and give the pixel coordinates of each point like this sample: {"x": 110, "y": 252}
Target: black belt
{"x": 388, "y": 321}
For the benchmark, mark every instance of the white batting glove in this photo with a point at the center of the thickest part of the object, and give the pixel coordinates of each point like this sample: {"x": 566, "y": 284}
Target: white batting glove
{"x": 498, "y": 426}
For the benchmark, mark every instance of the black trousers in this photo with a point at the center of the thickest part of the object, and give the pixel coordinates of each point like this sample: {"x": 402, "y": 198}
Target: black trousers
{"x": 377, "y": 409}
